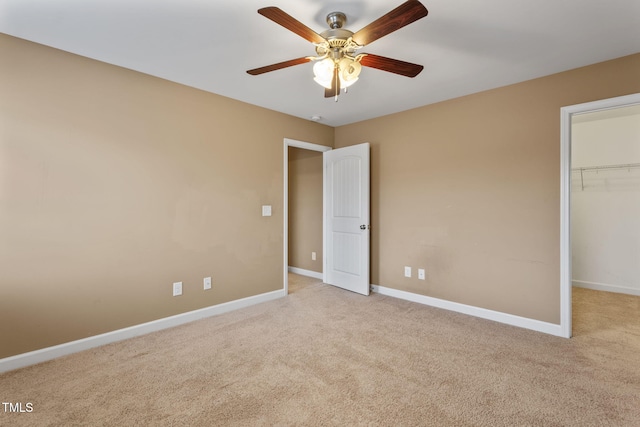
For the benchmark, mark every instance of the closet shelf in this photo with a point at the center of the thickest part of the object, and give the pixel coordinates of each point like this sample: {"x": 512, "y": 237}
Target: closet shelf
{"x": 594, "y": 168}
{"x": 583, "y": 169}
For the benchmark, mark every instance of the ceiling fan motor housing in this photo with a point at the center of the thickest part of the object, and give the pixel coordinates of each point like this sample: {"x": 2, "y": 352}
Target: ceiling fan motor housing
{"x": 337, "y": 40}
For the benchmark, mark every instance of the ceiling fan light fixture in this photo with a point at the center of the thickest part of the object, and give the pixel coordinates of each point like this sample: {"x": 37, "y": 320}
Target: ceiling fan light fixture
{"x": 323, "y": 83}
{"x": 345, "y": 84}
{"x": 348, "y": 72}
{"x": 323, "y": 71}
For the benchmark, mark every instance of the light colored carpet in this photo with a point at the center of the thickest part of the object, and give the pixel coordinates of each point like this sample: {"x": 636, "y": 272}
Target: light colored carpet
{"x": 324, "y": 356}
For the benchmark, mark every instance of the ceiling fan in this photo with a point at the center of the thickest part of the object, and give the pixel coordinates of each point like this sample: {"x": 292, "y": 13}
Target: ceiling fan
{"x": 338, "y": 63}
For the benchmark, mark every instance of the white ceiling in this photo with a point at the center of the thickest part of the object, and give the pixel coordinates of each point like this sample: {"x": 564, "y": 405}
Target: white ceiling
{"x": 466, "y": 46}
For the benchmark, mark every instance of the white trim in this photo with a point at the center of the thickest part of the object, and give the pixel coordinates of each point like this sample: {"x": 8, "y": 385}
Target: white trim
{"x": 303, "y": 272}
{"x": 325, "y": 204}
{"x": 605, "y": 287}
{"x": 285, "y": 212}
{"x": 565, "y": 223}
{"x": 49, "y": 353}
{"x": 509, "y": 319}
{"x": 306, "y": 145}
{"x": 566, "y": 113}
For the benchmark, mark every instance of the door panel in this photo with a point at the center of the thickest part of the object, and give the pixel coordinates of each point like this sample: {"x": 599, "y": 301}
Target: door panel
{"x": 347, "y": 218}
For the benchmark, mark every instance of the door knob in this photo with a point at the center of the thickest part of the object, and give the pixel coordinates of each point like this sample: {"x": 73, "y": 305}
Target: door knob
{"x": 363, "y": 227}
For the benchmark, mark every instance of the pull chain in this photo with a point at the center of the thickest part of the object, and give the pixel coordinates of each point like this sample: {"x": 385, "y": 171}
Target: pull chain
{"x": 336, "y": 83}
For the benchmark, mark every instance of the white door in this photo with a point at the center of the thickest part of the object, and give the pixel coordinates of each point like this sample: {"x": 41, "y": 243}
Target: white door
{"x": 346, "y": 231}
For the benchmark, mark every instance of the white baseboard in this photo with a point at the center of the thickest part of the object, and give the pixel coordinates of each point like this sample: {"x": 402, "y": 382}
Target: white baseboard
{"x": 509, "y": 319}
{"x": 605, "y": 287}
{"x": 304, "y": 272}
{"x": 49, "y": 353}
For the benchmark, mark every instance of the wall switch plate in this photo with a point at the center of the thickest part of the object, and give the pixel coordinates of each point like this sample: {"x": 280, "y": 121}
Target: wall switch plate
{"x": 421, "y": 273}
{"x": 313, "y": 256}
{"x": 407, "y": 272}
{"x": 177, "y": 289}
{"x": 266, "y": 210}
{"x": 207, "y": 283}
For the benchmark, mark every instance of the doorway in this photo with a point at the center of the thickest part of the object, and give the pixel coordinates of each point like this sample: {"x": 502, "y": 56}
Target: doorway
{"x": 567, "y": 115}
{"x": 318, "y": 254}
{"x": 605, "y": 200}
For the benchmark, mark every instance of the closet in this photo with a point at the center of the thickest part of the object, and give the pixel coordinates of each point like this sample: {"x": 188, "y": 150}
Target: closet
{"x": 605, "y": 200}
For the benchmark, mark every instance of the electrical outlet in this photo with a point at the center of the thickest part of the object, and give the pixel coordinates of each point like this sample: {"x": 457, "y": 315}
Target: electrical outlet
{"x": 407, "y": 271}
{"x": 313, "y": 256}
{"x": 421, "y": 273}
{"x": 177, "y": 289}
{"x": 207, "y": 283}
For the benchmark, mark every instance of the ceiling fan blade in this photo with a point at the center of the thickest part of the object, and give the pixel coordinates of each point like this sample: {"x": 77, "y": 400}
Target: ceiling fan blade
{"x": 408, "y": 12}
{"x": 278, "y": 16}
{"x": 335, "y": 85}
{"x": 278, "y": 66}
{"x": 391, "y": 65}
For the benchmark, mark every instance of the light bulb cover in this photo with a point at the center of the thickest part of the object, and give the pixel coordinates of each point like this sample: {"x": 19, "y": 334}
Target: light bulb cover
{"x": 323, "y": 71}
{"x": 323, "y": 83}
{"x": 349, "y": 69}
{"x": 348, "y": 72}
{"x": 346, "y": 84}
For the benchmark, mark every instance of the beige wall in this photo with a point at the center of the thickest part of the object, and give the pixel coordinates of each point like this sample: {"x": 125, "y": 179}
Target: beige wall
{"x": 115, "y": 184}
{"x": 305, "y": 209}
{"x": 469, "y": 189}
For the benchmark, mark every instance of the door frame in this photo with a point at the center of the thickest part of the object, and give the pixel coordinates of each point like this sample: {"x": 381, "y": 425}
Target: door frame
{"x": 566, "y": 114}
{"x": 285, "y": 213}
